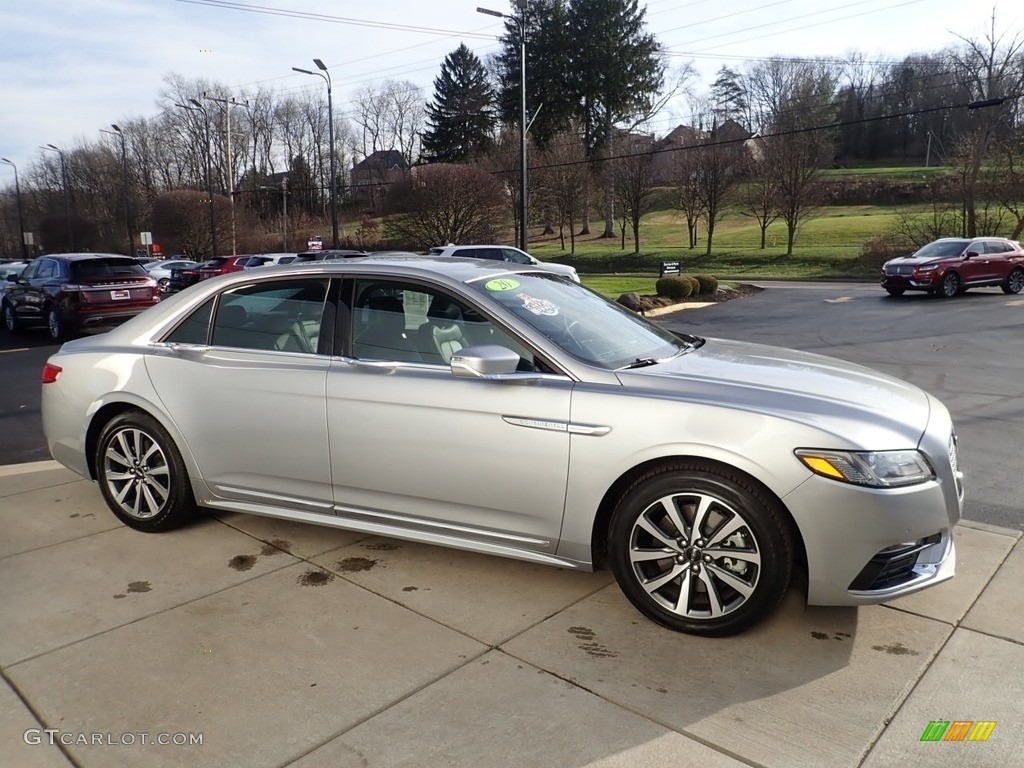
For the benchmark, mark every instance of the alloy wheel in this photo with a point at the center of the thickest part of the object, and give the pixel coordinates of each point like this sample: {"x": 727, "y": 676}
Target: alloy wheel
{"x": 136, "y": 473}
{"x": 695, "y": 555}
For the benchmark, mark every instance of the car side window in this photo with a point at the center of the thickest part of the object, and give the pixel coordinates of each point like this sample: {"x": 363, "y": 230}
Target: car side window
{"x": 47, "y": 270}
{"x": 195, "y": 328}
{"x": 515, "y": 256}
{"x": 414, "y": 324}
{"x": 284, "y": 315}
{"x": 994, "y": 246}
{"x": 30, "y": 272}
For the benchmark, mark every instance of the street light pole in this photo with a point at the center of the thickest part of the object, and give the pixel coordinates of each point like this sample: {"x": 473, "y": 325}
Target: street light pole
{"x": 21, "y": 212}
{"x": 330, "y": 131}
{"x": 520, "y": 22}
{"x": 197, "y": 107}
{"x": 67, "y": 197}
{"x": 231, "y": 165}
{"x": 129, "y": 229}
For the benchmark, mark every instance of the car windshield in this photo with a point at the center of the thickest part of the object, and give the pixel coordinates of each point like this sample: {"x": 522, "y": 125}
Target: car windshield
{"x": 941, "y": 249}
{"x": 581, "y": 322}
{"x": 92, "y": 269}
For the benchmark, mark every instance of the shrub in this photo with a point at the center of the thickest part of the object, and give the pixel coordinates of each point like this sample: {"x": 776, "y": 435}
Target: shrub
{"x": 708, "y": 284}
{"x": 676, "y": 287}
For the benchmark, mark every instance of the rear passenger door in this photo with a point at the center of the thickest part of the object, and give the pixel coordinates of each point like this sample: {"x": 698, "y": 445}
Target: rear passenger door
{"x": 249, "y": 358}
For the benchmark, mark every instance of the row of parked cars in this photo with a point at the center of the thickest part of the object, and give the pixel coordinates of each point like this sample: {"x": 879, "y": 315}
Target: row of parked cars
{"x": 69, "y": 293}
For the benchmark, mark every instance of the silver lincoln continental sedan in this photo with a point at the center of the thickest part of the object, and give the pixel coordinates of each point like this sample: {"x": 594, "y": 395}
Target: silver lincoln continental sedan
{"x": 500, "y": 409}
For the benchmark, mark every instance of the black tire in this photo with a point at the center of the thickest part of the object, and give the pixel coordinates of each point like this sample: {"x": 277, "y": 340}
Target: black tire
{"x": 950, "y": 286}
{"x": 1014, "y": 281}
{"x": 164, "y": 284}
{"x": 141, "y": 474}
{"x": 11, "y": 321}
{"x": 712, "y": 592}
{"x": 895, "y": 291}
{"x": 55, "y": 326}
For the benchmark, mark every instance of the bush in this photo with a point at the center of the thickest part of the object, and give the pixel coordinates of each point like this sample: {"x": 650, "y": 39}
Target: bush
{"x": 707, "y": 284}
{"x": 676, "y": 287}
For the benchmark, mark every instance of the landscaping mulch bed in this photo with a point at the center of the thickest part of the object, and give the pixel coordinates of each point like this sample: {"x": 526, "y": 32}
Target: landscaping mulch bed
{"x": 645, "y": 302}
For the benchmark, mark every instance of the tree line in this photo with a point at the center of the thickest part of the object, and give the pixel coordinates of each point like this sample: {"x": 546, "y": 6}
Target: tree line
{"x": 755, "y": 141}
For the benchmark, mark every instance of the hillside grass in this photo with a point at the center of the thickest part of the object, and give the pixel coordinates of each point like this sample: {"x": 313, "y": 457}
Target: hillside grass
{"x": 828, "y": 245}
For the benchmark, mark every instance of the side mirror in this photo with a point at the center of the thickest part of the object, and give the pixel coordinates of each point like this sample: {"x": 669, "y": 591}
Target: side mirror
{"x": 490, "y": 362}
{"x": 971, "y": 255}
{"x": 13, "y": 277}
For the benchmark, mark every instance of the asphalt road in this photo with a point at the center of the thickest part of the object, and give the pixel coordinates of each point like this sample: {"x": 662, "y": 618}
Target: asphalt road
{"x": 966, "y": 351}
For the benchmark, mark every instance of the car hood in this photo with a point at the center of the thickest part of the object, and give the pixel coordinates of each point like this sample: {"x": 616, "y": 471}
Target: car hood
{"x": 917, "y": 261}
{"x": 861, "y": 407}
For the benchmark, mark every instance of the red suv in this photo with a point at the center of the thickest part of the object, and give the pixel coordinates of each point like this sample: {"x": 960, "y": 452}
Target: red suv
{"x": 951, "y": 265}
{"x": 221, "y": 265}
{"x": 72, "y": 291}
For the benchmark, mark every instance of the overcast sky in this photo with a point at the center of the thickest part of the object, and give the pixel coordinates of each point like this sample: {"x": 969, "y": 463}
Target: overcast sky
{"x": 71, "y": 67}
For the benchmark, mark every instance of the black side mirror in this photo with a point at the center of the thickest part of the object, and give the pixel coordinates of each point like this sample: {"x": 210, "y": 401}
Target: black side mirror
{"x": 13, "y": 277}
{"x": 971, "y": 255}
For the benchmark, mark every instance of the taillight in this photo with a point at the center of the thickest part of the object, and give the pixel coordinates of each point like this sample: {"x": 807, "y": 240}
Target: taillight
{"x": 51, "y": 373}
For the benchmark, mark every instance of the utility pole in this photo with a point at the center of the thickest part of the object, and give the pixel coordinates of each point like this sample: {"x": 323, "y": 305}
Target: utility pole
{"x": 21, "y": 213}
{"x": 231, "y": 165}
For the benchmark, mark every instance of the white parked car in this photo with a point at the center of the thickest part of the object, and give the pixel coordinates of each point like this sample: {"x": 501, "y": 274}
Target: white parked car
{"x": 504, "y": 253}
{"x": 270, "y": 259}
{"x": 161, "y": 271}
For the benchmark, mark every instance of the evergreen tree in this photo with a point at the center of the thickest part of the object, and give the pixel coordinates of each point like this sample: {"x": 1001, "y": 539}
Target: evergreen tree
{"x": 729, "y": 97}
{"x": 461, "y": 117}
{"x": 549, "y": 93}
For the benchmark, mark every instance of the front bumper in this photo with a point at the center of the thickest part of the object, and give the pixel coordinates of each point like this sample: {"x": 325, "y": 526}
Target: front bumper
{"x": 927, "y": 282}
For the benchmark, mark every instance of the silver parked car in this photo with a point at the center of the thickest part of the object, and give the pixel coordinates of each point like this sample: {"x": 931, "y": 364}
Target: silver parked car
{"x": 507, "y": 410}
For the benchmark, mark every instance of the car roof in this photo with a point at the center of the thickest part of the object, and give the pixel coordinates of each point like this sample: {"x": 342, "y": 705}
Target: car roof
{"x": 84, "y": 256}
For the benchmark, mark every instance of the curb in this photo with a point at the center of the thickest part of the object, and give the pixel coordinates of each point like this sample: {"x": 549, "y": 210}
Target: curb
{"x": 8, "y": 470}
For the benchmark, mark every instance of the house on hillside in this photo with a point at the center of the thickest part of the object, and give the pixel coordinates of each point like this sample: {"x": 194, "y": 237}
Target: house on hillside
{"x": 372, "y": 176}
{"x": 667, "y": 149}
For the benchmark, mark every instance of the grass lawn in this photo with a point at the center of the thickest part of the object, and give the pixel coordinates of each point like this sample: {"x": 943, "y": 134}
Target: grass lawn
{"x": 828, "y": 245}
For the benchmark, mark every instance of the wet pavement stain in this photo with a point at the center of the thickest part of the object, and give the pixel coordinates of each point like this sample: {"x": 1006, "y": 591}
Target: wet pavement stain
{"x": 409, "y": 589}
{"x": 276, "y": 547}
{"x": 834, "y": 636}
{"x": 242, "y": 562}
{"x": 382, "y": 547}
{"x": 74, "y": 515}
{"x": 591, "y": 647}
{"x": 315, "y": 578}
{"x": 120, "y": 597}
{"x": 895, "y": 649}
{"x": 139, "y": 586}
{"x": 355, "y": 564}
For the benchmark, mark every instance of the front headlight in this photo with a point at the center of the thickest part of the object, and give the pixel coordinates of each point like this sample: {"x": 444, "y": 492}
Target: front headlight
{"x": 876, "y": 469}
{"x": 928, "y": 268}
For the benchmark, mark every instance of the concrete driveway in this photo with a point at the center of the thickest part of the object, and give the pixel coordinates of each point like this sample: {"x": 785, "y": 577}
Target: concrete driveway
{"x": 280, "y": 644}
{"x": 276, "y": 644}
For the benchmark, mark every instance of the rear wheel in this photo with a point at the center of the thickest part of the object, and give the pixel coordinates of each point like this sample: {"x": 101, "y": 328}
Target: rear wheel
{"x": 895, "y": 291}
{"x": 1014, "y": 281}
{"x": 141, "y": 474}
{"x": 700, "y": 549}
{"x": 54, "y": 324}
{"x": 950, "y": 285}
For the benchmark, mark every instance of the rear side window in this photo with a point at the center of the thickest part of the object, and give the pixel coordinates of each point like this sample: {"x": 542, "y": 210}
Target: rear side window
{"x": 92, "y": 269}
{"x": 284, "y": 316}
{"x": 195, "y": 328}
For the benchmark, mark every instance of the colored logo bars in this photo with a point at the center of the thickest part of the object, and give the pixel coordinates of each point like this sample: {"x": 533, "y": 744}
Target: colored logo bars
{"x": 958, "y": 730}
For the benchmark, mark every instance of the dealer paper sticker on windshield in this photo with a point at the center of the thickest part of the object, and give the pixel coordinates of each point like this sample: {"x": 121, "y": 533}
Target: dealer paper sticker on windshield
{"x": 538, "y": 306}
{"x": 501, "y": 284}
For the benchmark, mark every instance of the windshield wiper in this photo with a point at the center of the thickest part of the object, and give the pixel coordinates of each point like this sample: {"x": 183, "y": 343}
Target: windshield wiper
{"x": 640, "y": 362}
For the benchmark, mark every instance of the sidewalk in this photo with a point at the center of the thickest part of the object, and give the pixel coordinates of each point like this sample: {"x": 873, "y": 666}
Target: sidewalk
{"x": 283, "y": 644}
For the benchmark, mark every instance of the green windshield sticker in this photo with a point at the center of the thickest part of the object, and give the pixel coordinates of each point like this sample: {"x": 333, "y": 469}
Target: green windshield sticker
{"x": 501, "y": 284}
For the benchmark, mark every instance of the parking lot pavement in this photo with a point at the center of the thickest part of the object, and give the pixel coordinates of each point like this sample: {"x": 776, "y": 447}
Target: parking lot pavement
{"x": 279, "y": 644}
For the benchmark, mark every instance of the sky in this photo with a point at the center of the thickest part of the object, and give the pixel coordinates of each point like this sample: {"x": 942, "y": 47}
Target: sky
{"x": 71, "y": 67}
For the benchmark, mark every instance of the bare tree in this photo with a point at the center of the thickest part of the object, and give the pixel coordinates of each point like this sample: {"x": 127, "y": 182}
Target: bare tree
{"x": 563, "y": 180}
{"x": 633, "y": 181}
{"x": 992, "y": 69}
{"x": 759, "y": 193}
{"x": 446, "y": 204}
{"x": 687, "y": 190}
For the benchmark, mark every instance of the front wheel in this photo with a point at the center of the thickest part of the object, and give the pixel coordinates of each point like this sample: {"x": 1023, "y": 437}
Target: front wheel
{"x": 141, "y": 474}
{"x": 950, "y": 285}
{"x": 700, "y": 549}
{"x": 11, "y": 321}
{"x": 895, "y": 291}
{"x": 1014, "y": 281}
